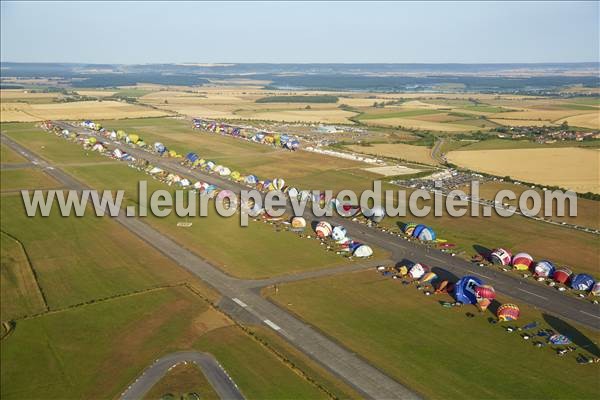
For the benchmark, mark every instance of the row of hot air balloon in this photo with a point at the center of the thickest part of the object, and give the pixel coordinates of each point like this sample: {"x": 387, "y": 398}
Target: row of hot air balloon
{"x": 339, "y": 234}
{"x": 545, "y": 269}
{"x": 253, "y": 134}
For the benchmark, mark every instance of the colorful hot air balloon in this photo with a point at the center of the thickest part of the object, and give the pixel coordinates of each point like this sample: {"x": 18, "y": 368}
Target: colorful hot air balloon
{"x": 544, "y": 269}
{"x": 508, "y": 312}
{"x": 500, "y": 256}
{"x": 339, "y": 233}
{"x": 596, "y": 289}
{"x": 426, "y": 234}
{"x": 277, "y": 184}
{"x": 522, "y": 261}
{"x": 428, "y": 278}
{"x": 582, "y": 282}
{"x": 417, "y": 271}
{"x": 562, "y": 275}
{"x": 251, "y": 179}
{"x": 464, "y": 290}
{"x": 323, "y": 229}
{"x": 486, "y": 292}
{"x": 298, "y": 223}
{"x": 409, "y": 228}
{"x": 363, "y": 251}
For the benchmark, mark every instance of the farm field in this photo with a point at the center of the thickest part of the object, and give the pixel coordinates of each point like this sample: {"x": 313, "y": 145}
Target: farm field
{"x": 413, "y": 123}
{"x": 578, "y": 167}
{"x": 420, "y": 154}
{"x": 130, "y": 332}
{"x": 591, "y": 120}
{"x": 359, "y": 310}
{"x": 22, "y": 112}
{"x": 494, "y": 144}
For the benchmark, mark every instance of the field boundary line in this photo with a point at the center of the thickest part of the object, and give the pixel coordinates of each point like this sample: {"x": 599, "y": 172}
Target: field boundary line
{"x": 32, "y": 269}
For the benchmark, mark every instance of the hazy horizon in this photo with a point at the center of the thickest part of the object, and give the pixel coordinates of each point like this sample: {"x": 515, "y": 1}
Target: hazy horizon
{"x": 300, "y": 32}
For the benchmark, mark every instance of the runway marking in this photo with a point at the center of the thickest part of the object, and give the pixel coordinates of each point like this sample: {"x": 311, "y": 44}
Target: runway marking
{"x": 272, "y": 325}
{"x": 239, "y": 302}
{"x": 533, "y": 294}
{"x": 591, "y": 315}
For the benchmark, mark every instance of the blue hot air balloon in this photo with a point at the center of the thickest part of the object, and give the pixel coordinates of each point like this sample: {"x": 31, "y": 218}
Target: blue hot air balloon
{"x": 464, "y": 290}
{"x": 582, "y": 282}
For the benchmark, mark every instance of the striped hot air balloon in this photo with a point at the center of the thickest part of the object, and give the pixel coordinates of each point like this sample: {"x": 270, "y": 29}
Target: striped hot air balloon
{"x": 277, "y": 184}
{"x": 522, "y": 261}
{"x": 501, "y": 256}
{"x": 323, "y": 229}
{"x": 485, "y": 292}
{"x": 562, "y": 275}
{"x": 544, "y": 269}
{"x": 428, "y": 278}
{"x": 508, "y": 312}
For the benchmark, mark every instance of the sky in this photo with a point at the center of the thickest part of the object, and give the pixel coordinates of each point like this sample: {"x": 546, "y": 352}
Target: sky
{"x": 299, "y": 32}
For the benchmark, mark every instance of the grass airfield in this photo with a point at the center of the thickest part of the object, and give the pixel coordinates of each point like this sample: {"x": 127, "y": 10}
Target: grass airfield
{"x": 438, "y": 351}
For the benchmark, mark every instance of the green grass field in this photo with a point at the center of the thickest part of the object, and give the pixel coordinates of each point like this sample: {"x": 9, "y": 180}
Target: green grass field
{"x": 484, "y": 108}
{"x": 26, "y": 178}
{"x": 19, "y": 292}
{"x": 255, "y": 251}
{"x": 87, "y": 258}
{"x": 9, "y": 156}
{"x": 438, "y": 351}
{"x": 95, "y": 351}
{"x": 49, "y": 146}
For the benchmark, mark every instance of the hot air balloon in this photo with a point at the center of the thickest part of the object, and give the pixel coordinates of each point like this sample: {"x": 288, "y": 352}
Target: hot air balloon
{"x": 582, "y": 282}
{"x": 428, "y": 278}
{"x": 277, "y": 184}
{"x": 235, "y": 175}
{"x": 544, "y": 269}
{"x": 409, "y": 228}
{"x": 298, "y": 223}
{"x": 426, "y": 234}
{"x": 224, "y": 171}
{"x": 559, "y": 340}
{"x": 210, "y": 166}
{"x": 522, "y": 261}
{"x": 92, "y": 140}
{"x": 596, "y": 289}
{"x": 191, "y": 157}
{"x": 132, "y": 138}
{"x": 339, "y": 233}
{"x": 159, "y": 147}
{"x": 323, "y": 229}
{"x": 363, "y": 251}
{"x": 464, "y": 290}
{"x": 251, "y": 179}
{"x": 486, "y": 292}
{"x": 417, "y": 271}
{"x": 508, "y": 312}
{"x": 562, "y": 275}
{"x": 500, "y": 256}
{"x": 121, "y": 134}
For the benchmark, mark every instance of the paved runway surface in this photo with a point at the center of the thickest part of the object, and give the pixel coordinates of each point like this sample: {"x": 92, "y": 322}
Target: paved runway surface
{"x": 214, "y": 373}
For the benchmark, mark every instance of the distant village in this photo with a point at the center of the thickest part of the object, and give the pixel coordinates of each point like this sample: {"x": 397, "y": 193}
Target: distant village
{"x": 547, "y": 134}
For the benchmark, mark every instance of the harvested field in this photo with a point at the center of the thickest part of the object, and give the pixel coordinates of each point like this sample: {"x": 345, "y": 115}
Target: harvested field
{"x": 21, "y": 112}
{"x": 10, "y": 95}
{"x": 521, "y": 122}
{"x": 412, "y": 123}
{"x": 591, "y": 120}
{"x": 420, "y": 154}
{"x": 333, "y": 116}
{"x": 572, "y": 168}
{"x": 96, "y": 93}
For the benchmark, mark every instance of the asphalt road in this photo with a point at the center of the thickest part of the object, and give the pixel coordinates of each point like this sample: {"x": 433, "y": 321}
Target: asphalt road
{"x": 214, "y": 373}
{"x": 544, "y": 297}
{"x": 357, "y": 372}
